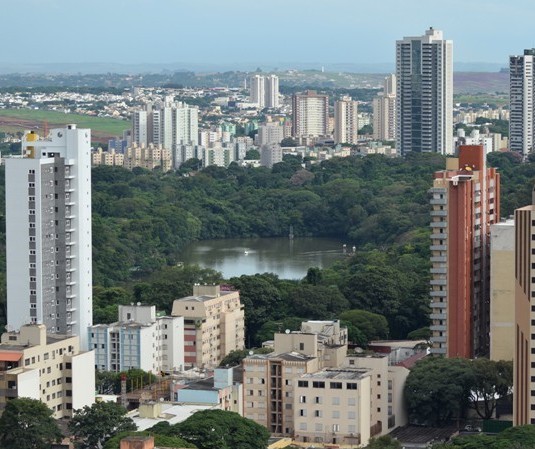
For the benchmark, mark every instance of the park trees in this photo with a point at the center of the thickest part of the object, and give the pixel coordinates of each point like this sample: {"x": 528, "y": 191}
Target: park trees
{"x": 27, "y": 424}
{"x": 92, "y": 426}
{"x": 439, "y": 390}
{"x": 218, "y": 429}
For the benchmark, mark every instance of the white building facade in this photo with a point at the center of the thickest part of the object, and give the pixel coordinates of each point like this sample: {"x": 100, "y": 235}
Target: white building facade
{"x": 139, "y": 339}
{"x": 346, "y": 121}
{"x": 48, "y": 233}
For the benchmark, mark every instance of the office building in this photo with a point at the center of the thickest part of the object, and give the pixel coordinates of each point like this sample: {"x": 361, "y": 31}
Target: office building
{"x": 139, "y": 340}
{"x": 424, "y": 72}
{"x": 384, "y": 111}
{"x": 310, "y": 114}
{"x": 502, "y": 290}
{"x": 524, "y": 310}
{"x": 521, "y": 97}
{"x": 346, "y": 128}
{"x": 49, "y": 368}
{"x": 48, "y": 233}
{"x": 465, "y": 201}
{"x": 213, "y": 324}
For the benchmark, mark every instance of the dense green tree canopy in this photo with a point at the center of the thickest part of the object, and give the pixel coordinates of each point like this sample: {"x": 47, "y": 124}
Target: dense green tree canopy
{"x": 92, "y": 426}
{"x": 27, "y": 424}
{"x": 218, "y": 429}
{"x": 439, "y": 390}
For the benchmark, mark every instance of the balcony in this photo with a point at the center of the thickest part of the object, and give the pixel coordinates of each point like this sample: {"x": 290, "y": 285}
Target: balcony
{"x": 438, "y": 270}
{"x": 439, "y": 224}
{"x": 438, "y": 281}
{"x": 438, "y": 201}
{"x": 439, "y": 236}
{"x": 438, "y": 316}
{"x": 438, "y": 305}
{"x": 438, "y": 247}
{"x": 438, "y": 293}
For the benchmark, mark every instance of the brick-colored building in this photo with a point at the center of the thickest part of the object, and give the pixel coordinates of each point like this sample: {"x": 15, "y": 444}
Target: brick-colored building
{"x": 465, "y": 200}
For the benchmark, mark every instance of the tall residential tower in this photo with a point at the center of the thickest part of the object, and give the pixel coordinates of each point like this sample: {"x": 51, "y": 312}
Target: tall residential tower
{"x": 346, "y": 121}
{"x": 48, "y": 233}
{"x": 465, "y": 201}
{"x": 424, "y": 70}
{"x": 384, "y": 111}
{"x": 310, "y": 114}
{"x": 521, "y": 96}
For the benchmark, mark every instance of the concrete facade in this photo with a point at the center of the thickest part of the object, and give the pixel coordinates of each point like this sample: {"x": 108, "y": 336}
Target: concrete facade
{"x": 48, "y": 233}
{"x": 49, "y": 368}
{"x": 310, "y": 114}
{"x": 465, "y": 203}
{"x": 502, "y": 290}
{"x": 213, "y": 324}
{"x": 139, "y": 339}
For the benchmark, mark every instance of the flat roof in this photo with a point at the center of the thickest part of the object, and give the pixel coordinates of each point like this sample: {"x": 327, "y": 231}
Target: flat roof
{"x": 172, "y": 414}
{"x": 288, "y": 356}
{"x": 203, "y": 298}
{"x": 338, "y": 374}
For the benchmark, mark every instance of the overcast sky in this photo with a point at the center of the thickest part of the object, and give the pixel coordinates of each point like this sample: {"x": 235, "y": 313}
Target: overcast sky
{"x": 333, "y": 31}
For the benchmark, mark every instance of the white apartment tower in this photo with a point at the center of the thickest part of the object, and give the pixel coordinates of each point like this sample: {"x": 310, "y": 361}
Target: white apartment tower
{"x": 384, "y": 111}
{"x": 272, "y": 91}
{"x": 346, "y": 126}
{"x": 185, "y": 122}
{"x": 310, "y": 114}
{"x": 140, "y": 134}
{"x": 257, "y": 90}
{"x": 424, "y": 71}
{"x": 521, "y": 96}
{"x": 48, "y": 233}
{"x": 264, "y": 91}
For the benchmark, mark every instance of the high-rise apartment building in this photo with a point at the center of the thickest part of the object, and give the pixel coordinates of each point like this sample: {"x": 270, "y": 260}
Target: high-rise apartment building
{"x": 310, "y": 114}
{"x": 271, "y": 95}
{"x": 524, "y": 316}
{"x": 384, "y": 111}
{"x": 346, "y": 123}
{"x": 269, "y": 133}
{"x": 170, "y": 125}
{"x": 213, "y": 324}
{"x": 257, "y": 90}
{"x": 424, "y": 71}
{"x": 48, "y": 233}
{"x": 521, "y": 97}
{"x": 264, "y": 91}
{"x": 465, "y": 203}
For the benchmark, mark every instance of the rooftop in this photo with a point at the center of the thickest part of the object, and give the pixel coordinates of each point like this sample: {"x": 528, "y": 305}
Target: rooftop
{"x": 339, "y": 374}
{"x": 288, "y": 356}
{"x": 172, "y": 414}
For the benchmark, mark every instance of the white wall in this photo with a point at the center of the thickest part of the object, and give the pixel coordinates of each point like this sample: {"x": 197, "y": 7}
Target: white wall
{"x": 28, "y": 384}
{"x": 83, "y": 379}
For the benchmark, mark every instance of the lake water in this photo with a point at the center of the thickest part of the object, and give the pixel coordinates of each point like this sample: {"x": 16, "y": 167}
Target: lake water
{"x": 289, "y": 259}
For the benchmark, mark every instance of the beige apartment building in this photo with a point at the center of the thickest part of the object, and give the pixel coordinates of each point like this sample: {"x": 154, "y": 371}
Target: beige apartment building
{"x": 502, "y": 290}
{"x": 269, "y": 382}
{"x": 149, "y": 157}
{"x": 524, "y": 358}
{"x": 49, "y": 368}
{"x": 333, "y": 406}
{"x": 213, "y": 324}
{"x": 111, "y": 157}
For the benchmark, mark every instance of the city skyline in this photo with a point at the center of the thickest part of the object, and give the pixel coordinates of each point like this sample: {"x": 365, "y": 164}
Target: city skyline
{"x": 234, "y": 25}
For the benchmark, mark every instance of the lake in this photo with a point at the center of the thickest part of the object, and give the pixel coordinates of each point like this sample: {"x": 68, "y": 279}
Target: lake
{"x": 289, "y": 259}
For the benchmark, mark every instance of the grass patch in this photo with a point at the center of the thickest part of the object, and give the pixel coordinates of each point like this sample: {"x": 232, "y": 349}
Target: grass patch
{"x": 13, "y": 120}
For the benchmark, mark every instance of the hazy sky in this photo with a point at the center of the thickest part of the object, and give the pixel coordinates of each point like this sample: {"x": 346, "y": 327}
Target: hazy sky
{"x": 348, "y": 31}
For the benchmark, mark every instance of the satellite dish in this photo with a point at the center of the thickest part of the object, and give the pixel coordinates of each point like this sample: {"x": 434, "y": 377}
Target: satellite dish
{"x": 251, "y": 352}
{"x": 287, "y": 331}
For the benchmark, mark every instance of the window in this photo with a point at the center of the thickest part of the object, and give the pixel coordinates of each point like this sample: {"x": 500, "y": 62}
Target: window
{"x": 318, "y": 427}
{"x": 336, "y": 385}
{"x": 351, "y": 386}
{"x": 335, "y": 401}
{"x": 317, "y": 413}
{"x": 318, "y": 384}
{"x": 302, "y": 399}
{"x": 317, "y": 400}
{"x": 302, "y": 412}
{"x": 351, "y": 415}
{"x": 302, "y": 383}
{"x": 336, "y": 414}
{"x": 301, "y": 346}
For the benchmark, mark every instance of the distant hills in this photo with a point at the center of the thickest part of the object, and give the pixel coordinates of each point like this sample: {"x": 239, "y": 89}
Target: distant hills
{"x": 106, "y": 67}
